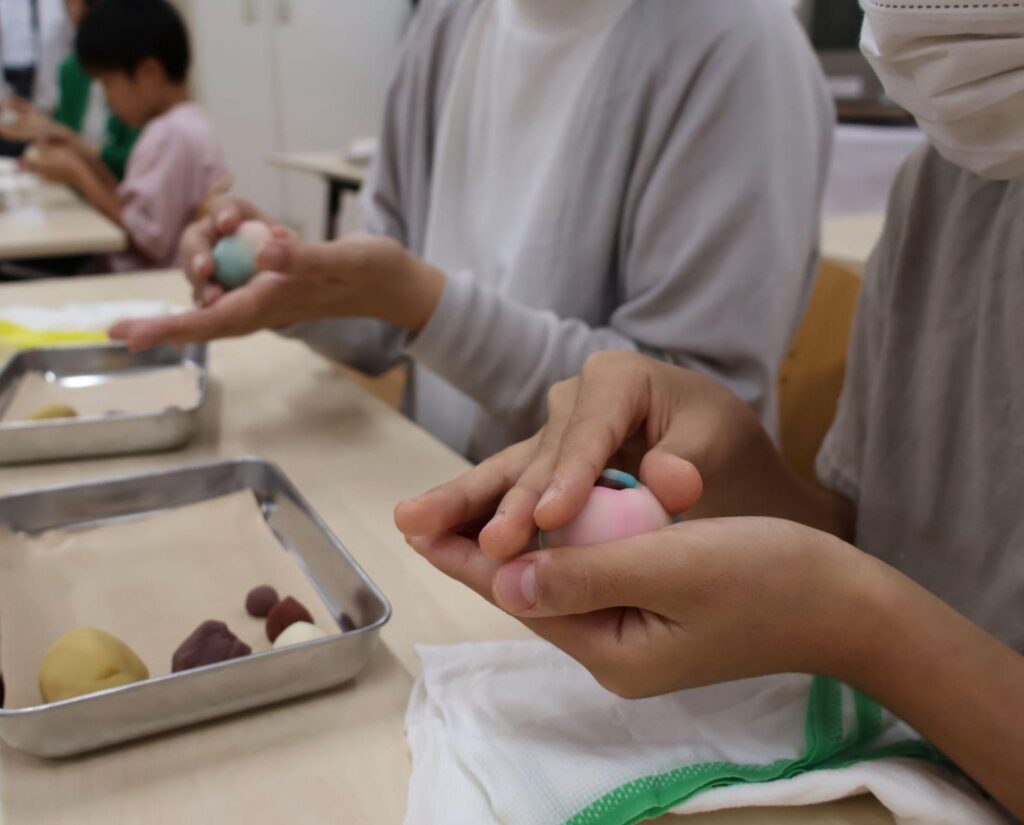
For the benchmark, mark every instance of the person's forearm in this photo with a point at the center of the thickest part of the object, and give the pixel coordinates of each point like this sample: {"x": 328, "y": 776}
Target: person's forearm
{"x": 504, "y": 354}
{"x": 101, "y": 196}
{"x": 365, "y": 344}
{"x": 91, "y": 156}
{"x": 959, "y": 687}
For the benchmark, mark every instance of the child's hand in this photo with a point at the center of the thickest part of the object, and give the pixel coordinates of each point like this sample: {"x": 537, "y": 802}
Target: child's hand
{"x": 657, "y": 421}
{"x": 358, "y": 276}
{"x": 58, "y": 164}
{"x": 694, "y": 604}
{"x": 57, "y": 135}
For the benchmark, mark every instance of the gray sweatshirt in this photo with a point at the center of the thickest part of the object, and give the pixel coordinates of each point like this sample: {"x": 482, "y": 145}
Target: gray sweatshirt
{"x": 685, "y": 227}
{"x": 929, "y": 439}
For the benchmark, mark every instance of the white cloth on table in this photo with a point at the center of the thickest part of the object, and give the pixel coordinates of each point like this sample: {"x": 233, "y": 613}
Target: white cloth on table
{"x": 520, "y": 734}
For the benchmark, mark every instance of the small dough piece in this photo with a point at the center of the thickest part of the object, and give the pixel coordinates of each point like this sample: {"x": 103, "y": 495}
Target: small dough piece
{"x": 297, "y": 633}
{"x": 210, "y": 643}
{"x": 86, "y": 661}
{"x": 285, "y": 613}
{"x": 52, "y": 412}
{"x": 261, "y": 601}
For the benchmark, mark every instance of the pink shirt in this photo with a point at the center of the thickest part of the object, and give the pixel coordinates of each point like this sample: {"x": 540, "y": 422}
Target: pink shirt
{"x": 173, "y": 167}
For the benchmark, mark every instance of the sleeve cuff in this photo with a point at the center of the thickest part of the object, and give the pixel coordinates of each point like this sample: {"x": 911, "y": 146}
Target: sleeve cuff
{"x": 444, "y": 337}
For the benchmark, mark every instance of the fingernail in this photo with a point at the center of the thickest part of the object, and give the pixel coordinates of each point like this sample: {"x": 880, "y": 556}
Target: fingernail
{"x": 550, "y": 494}
{"x": 515, "y": 586}
{"x": 197, "y": 262}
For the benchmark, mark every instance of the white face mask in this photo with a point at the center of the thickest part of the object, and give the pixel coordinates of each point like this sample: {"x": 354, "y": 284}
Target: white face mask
{"x": 959, "y": 69}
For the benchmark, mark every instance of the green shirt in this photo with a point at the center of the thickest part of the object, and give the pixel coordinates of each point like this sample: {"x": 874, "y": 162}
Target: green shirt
{"x": 75, "y": 87}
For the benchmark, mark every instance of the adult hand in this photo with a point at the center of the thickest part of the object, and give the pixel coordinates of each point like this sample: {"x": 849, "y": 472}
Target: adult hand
{"x": 223, "y": 215}
{"x": 694, "y": 604}
{"x": 357, "y": 276}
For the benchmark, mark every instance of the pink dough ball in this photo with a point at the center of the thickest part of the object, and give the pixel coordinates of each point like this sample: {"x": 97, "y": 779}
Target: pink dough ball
{"x": 256, "y": 234}
{"x": 611, "y": 515}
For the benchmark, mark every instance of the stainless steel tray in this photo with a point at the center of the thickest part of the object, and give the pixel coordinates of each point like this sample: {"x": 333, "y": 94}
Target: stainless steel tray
{"x": 100, "y": 719}
{"x": 30, "y": 441}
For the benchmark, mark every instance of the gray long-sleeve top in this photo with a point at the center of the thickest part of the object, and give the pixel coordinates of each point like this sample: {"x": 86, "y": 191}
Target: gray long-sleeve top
{"x": 687, "y": 225}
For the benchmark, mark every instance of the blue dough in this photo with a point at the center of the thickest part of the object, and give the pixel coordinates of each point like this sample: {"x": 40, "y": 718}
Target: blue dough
{"x": 235, "y": 261}
{"x": 618, "y": 477}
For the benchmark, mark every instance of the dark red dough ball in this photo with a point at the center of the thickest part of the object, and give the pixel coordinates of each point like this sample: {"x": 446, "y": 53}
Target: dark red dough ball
{"x": 261, "y": 600}
{"x": 285, "y": 613}
{"x": 209, "y": 643}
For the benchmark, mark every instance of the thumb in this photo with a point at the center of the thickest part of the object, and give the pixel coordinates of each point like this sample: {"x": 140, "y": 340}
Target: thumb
{"x": 675, "y": 481}
{"x": 670, "y": 467}
{"x": 290, "y": 255}
{"x": 569, "y": 581}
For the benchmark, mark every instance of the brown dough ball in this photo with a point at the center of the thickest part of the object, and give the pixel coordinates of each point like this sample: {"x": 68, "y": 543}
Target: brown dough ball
{"x": 209, "y": 643}
{"x": 286, "y": 612}
{"x": 261, "y": 600}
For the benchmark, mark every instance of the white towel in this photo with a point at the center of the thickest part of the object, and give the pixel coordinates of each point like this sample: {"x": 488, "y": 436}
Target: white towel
{"x": 518, "y": 733}
{"x": 94, "y": 317}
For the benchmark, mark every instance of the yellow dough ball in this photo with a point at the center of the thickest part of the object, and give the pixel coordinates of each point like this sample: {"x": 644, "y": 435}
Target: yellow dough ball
{"x": 85, "y": 661}
{"x": 53, "y": 411}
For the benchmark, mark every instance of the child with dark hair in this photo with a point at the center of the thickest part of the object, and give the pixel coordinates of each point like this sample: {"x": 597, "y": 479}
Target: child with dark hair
{"x": 139, "y": 51}
{"x": 81, "y": 120}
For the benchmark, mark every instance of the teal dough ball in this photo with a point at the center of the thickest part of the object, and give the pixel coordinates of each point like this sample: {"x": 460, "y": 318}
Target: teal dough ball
{"x": 235, "y": 261}
{"x": 235, "y": 255}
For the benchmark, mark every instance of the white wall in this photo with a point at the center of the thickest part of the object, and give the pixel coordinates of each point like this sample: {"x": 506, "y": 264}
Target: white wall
{"x": 293, "y": 75}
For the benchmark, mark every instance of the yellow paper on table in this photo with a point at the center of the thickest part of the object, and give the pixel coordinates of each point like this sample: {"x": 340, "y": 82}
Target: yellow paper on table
{"x": 16, "y": 337}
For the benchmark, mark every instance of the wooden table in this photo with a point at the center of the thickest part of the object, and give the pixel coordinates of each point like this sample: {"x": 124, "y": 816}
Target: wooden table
{"x": 340, "y": 757}
{"x": 849, "y": 241}
{"x": 52, "y": 221}
{"x": 340, "y": 174}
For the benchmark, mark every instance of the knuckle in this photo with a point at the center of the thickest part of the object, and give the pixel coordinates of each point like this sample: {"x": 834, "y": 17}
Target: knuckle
{"x": 610, "y": 360}
{"x": 564, "y": 392}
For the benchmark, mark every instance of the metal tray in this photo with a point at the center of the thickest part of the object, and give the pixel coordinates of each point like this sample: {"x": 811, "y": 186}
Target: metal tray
{"x": 95, "y": 721}
{"x": 24, "y": 442}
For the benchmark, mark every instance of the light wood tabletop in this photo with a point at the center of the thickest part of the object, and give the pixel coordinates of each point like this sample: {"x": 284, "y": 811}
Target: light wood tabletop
{"x": 333, "y": 165}
{"x": 45, "y": 220}
{"x": 848, "y": 241}
{"x": 339, "y": 757}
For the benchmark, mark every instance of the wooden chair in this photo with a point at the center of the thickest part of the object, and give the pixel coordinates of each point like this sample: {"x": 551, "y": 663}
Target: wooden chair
{"x": 811, "y": 378}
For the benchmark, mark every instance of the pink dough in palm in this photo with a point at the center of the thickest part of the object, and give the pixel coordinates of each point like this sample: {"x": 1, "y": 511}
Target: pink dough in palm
{"x": 611, "y": 515}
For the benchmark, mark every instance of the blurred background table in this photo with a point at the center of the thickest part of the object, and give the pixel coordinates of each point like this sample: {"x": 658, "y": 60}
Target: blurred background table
{"x": 45, "y": 220}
